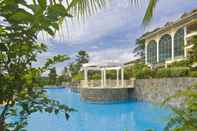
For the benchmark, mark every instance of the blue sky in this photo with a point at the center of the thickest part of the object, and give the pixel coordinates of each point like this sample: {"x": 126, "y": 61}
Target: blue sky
{"x": 110, "y": 34}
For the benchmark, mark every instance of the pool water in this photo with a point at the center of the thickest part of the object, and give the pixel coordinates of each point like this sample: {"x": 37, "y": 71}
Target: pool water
{"x": 131, "y": 115}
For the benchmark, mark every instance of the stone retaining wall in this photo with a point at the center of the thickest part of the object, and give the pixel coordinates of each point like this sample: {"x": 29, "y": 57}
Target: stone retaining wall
{"x": 104, "y": 95}
{"x": 150, "y": 90}
{"x": 156, "y": 90}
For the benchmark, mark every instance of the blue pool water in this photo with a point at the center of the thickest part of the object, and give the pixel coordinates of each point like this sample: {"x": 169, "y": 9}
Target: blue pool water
{"x": 134, "y": 116}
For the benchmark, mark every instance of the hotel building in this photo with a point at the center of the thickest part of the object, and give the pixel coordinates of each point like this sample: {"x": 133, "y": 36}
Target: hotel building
{"x": 171, "y": 42}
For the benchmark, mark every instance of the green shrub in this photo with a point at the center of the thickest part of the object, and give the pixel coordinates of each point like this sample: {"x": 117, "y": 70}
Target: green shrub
{"x": 142, "y": 71}
{"x": 183, "y": 63}
{"x": 163, "y": 72}
{"x": 96, "y": 76}
{"x": 172, "y": 72}
{"x": 78, "y": 77}
{"x": 193, "y": 73}
{"x": 180, "y": 72}
{"x": 128, "y": 73}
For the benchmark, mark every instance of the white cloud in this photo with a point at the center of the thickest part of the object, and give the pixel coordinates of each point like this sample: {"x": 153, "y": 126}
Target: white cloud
{"x": 120, "y": 55}
{"x": 106, "y": 21}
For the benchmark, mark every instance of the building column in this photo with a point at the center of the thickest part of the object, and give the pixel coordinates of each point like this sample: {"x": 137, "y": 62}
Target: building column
{"x": 157, "y": 50}
{"x": 122, "y": 77}
{"x": 86, "y": 77}
{"x": 117, "y": 77}
{"x": 185, "y": 41}
{"x": 172, "y": 35}
{"x": 146, "y": 62}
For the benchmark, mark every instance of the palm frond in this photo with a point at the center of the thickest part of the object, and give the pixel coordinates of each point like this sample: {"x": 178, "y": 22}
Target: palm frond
{"x": 84, "y": 7}
{"x": 149, "y": 12}
{"x": 89, "y": 7}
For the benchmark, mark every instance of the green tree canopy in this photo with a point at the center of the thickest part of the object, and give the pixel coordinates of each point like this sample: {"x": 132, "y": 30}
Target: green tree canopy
{"x": 74, "y": 68}
{"x": 20, "y": 83}
{"x": 52, "y": 76}
{"x": 82, "y": 57}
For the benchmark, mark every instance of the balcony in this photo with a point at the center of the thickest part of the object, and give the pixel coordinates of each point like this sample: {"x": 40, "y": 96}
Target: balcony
{"x": 191, "y": 34}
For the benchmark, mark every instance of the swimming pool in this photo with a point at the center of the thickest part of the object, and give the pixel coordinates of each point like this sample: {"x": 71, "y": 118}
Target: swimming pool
{"x": 131, "y": 115}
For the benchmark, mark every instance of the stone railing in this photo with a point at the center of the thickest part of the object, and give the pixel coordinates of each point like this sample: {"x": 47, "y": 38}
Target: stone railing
{"x": 108, "y": 84}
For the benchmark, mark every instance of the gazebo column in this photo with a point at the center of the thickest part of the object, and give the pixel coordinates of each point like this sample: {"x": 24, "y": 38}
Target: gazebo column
{"x": 104, "y": 77}
{"x": 86, "y": 77}
{"x": 122, "y": 77}
{"x": 117, "y": 77}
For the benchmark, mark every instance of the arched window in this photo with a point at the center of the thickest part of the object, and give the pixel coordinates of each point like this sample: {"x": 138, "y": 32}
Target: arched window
{"x": 179, "y": 43}
{"x": 152, "y": 52}
{"x": 165, "y": 48}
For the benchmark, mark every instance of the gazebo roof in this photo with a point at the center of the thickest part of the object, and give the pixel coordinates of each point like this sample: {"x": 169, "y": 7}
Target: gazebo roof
{"x": 106, "y": 65}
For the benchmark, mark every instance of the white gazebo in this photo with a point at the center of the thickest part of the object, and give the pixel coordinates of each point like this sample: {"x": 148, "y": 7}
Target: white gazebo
{"x": 103, "y": 67}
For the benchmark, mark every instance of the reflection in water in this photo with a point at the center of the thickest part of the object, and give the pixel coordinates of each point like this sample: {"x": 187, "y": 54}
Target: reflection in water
{"x": 135, "y": 116}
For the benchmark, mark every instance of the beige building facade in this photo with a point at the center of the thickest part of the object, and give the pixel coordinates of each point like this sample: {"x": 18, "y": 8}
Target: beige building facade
{"x": 171, "y": 42}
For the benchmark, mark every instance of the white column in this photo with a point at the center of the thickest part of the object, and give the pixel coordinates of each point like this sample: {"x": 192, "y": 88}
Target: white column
{"x": 185, "y": 41}
{"x": 122, "y": 77}
{"x": 117, "y": 77}
{"x": 102, "y": 83}
{"x": 172, "y": 35}
{"x": 86, "y": 77}
{"x": 157, "y": 50}
{"x": 104, "y": 77}
{"x": 146, "y": 53}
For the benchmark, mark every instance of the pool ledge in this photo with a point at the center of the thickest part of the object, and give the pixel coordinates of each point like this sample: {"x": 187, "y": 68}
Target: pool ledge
{"x": 104, "y": 94}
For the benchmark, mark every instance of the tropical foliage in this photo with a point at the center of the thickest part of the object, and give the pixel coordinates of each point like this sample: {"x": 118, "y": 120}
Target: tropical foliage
{"x": 192, "y": 52}
{"x": 182, "y": 63}
{"x": 20, "y": 82}
{"x": 185, "y": 117}
{"x": 88, "y": 7}
{"x": 172, "y": 72}
{"x": 82, "y": 57}
{"x": 52, "y": 76}
{"x": 139, "y": 49}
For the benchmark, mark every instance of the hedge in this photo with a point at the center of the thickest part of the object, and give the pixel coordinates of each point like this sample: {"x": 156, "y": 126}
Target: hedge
{"x": 182, "y": 63}
{"x": 193, "y": 73}
{"x": 142, "y": 71}
{"x": 172, "y": 72}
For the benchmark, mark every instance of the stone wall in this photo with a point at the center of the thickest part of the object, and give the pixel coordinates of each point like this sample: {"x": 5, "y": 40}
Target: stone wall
{"x": 104, "y": 95}
{"x": 156, "y": 90}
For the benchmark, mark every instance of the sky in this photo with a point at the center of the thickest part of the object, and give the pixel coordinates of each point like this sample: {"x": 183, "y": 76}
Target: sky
{"x": 110, "y": 34}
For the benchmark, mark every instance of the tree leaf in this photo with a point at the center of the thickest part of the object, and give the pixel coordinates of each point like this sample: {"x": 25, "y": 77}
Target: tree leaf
{"x": 43, "y": 3}
{"x": 21, "y": 17}
{"x": 56, "y": 11}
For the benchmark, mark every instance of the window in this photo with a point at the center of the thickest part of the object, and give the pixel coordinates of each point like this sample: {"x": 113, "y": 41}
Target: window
{"x": 165, "y": 48}
{"x": 152, "y": 52}
{"x": 179, "y": 43}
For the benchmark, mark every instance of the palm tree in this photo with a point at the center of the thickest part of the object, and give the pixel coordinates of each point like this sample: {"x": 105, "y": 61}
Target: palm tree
{"x": 88, "y": 7}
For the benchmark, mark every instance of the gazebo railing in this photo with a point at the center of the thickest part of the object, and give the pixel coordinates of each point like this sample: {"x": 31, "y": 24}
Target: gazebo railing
{"x": 107, "y": 84}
